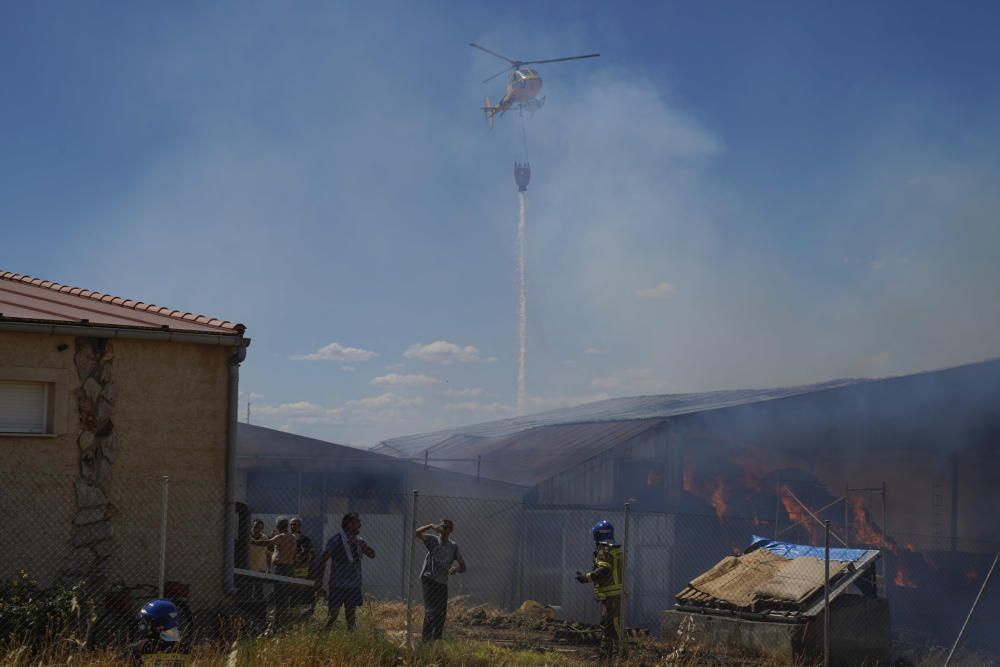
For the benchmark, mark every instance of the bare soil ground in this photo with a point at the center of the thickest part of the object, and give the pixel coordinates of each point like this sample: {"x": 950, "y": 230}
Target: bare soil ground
{"x": 537, "y": 628}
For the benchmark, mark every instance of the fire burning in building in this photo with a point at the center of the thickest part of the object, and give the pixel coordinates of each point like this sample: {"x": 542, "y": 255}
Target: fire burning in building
{"x": 779, "y": 463}
{"x": 712, "y": 490}
{"x": 740, "y": 486}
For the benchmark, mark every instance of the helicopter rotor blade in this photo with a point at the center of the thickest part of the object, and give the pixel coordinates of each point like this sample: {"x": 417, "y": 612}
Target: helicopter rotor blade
{"x": 493, "y": 53}
{"x": 503, "y": 71}
{"x": 559, "y": 60}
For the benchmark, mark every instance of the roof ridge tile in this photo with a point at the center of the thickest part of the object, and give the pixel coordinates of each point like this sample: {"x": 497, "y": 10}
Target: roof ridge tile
{"x": 132, "y": 304}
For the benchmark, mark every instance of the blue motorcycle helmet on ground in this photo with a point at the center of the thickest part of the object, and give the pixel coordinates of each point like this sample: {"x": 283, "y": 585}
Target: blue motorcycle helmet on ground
{"x": 159, "y": 619}
{"x": 603, "y": 531}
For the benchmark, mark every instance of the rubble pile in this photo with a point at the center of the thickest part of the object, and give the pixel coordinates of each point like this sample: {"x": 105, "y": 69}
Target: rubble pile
{"x": 535, "y": 617}
{"x": 530, "y": 616}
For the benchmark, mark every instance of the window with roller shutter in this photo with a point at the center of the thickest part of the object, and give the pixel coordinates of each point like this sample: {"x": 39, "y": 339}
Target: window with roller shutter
{"x": 25, "y": 407}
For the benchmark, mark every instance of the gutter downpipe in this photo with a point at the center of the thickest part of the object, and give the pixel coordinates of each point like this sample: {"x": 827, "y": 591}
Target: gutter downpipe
{"x": 239, "y": 355}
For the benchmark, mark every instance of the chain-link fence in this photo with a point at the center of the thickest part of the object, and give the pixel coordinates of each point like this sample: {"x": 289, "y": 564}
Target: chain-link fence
{"x": 80, "y": 561}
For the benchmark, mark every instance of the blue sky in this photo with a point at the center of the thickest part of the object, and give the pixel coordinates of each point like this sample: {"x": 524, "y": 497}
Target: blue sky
{"x": 733, "y": 195}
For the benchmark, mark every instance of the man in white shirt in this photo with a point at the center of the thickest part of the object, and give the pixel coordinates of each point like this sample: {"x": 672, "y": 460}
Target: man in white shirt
{"x": 441, "y": 553}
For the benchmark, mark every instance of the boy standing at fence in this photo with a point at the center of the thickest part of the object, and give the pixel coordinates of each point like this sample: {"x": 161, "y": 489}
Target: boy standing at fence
{"x": 441, "y": 553}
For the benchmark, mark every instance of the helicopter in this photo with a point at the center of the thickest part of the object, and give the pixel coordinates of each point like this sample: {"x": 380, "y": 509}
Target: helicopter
{"x": 523, "y": 84}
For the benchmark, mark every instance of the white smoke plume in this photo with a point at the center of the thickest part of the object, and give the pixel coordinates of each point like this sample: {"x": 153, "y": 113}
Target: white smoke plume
{"x": 879, "y": 259}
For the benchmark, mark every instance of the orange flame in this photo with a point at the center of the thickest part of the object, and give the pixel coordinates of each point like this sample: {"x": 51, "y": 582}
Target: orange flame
{"x": 713, "y": 492}
{"x": 687, "y": 477}
{"x": 864, "y": 531}
{"x": 903, "y": 576}
{"x": 971, "y": 575}
{"x": 902, "y": 579}
{"x": 798, "y": 515}
{"x": 718, "y": 499}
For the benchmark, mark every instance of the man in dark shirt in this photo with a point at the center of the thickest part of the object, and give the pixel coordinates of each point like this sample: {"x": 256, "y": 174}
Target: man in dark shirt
{"x": 344, "y": 551}
{"x": 441, "y": 553}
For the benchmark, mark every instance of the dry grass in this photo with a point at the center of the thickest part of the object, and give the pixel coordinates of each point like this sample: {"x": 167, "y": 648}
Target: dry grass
{"x": 934, "y": 657}
{"x": 380, "y": 642}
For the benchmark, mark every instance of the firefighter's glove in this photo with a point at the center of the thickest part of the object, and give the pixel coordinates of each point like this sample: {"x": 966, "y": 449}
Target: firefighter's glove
{"x": 581, "y": 577}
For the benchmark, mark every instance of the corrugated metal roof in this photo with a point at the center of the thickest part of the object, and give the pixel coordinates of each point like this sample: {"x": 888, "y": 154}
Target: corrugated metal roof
{"x": 254, "y": 441}
{"x": 523, "y": 460}
{"x": 611, "y": 410}
{"x": 270, "y": 450}
{"x": 33, "y": 299}
{"x": 558, "y": 439}
{"x": 532, "y": 456}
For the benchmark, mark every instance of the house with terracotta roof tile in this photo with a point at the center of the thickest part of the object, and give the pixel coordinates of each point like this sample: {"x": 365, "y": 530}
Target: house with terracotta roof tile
{"x": 102, "y": 397}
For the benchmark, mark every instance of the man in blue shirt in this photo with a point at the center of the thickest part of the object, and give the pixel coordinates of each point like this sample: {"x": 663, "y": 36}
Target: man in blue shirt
{"x": 344, "y": 551}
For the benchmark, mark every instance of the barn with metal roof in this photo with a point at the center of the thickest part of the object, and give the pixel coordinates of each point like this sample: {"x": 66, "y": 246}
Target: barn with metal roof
{"x": 906, "y": 463}
{"x": 658, "y": 450}
{"x": 285, "y": 473}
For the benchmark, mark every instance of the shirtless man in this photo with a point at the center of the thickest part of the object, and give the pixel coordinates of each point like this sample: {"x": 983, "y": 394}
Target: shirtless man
{"x": 283, "y": 563}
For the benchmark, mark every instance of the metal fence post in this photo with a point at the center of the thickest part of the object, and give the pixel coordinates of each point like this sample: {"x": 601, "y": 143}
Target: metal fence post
{"x": 522, "y": 540}
{"x": 847, "y": 513}
{"x": 826, "y": 595}
{"x": 165, "y": 485}
{"x": 621, "y": 618}
{"x": 409, "y": 571}
{"x": 885, "y": 515}
{"x": 975, "y": 604}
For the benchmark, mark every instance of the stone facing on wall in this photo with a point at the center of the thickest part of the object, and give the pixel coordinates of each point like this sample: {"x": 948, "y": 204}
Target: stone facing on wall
{"x": 92, "y": 535}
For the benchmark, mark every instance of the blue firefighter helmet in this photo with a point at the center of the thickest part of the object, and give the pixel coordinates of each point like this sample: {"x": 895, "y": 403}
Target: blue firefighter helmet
{"x": 159, "y": 617}
{"x": 603, "y": 531}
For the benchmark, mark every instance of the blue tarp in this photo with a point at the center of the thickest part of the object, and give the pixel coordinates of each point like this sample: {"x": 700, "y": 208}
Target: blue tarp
{"x": 790, "y": 551}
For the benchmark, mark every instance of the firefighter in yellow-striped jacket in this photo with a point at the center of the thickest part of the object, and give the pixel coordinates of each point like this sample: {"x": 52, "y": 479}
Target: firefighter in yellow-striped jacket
{"x": 606, "y": 575}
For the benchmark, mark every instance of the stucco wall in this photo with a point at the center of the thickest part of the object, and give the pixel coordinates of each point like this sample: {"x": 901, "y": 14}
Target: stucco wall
{"x": 169, "y": 419}
{"x": 36, "y": 472}
{"x": 35, "y": 357}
